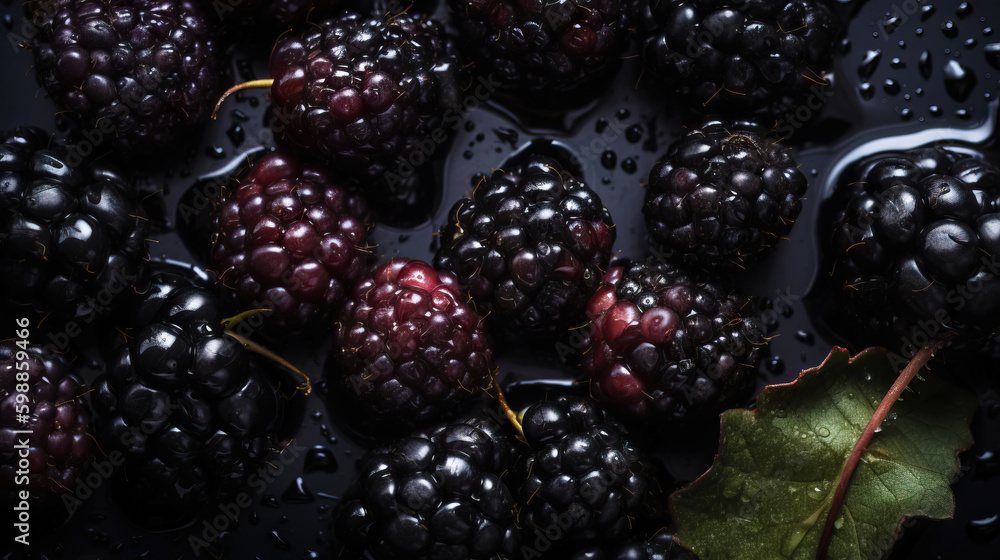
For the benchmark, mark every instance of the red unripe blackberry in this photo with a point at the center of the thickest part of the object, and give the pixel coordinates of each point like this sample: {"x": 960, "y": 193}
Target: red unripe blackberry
{"x": 668, "y": 347}
{"x": 408, "y": 343}
{"x": 290, "y": 238}
{"x": 59, "y": 442}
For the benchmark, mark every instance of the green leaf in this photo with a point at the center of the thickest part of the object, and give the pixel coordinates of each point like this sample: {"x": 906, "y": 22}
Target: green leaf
{"x": 769, "y": 491}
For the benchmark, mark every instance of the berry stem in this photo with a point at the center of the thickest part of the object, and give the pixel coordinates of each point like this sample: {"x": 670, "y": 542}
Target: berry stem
{"x": 905, "y": 376}
{"x": 507, "y": 410}
{"x": 264, "y": 83}
{"x": 230, "y": 322}
{"x": 258, "y": 349}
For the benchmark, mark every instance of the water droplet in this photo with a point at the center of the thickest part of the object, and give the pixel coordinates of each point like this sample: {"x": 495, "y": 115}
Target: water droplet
{"x": 279, "y": 542}
{"x": 297, "y": 493}
{"x": 902, "y": 44}
{"x": 780, "y": 413}
{"x": 992, "y": 52}
{"x": 891, "y": 86}
{"x": 805, "y": 337}
{"x": 629, "y": 166}
{"x": 269, "y": 500}
{"x": 606, "y": 180}
{"x": 215, "y": 152}
{"x": 319, "y": 459}
{"x": 869, "y": 64}
{"x": 926, "y": 11}
{"x": 634, "y": 133}
{"x": 775, "y": 365}
{"x": 985, "y": 529}
{"x": 601, "y": 125}
{"x": 609, "y": 159}
{"x": 803, "y": 435}
{"x": 963, "y": 114}
{"x": 480, "y": 137}
{"x": 867, "y": 376}
{"x": 906, "y": 114}
{"x": 935, "y": 110}
{"x": 970, "y": 43}
{"x": 867, "y": 90}
{"x": 823, "y": 432}
{"x": 253, "y": 518}
{"x": 963, "y": 10}
{"x": 892, "y": 416}
{"x": 467, "y": 154}
{"x": 919, "y": 32}
{"x": 316, "y": 415}
{"x": 878, "y": 429}
{"x": 839, "y": 523}
{"x": 623, "y": 114}
{"x": 949, "y": 29}
{"x": 236, "y": 134}
{"x": 897, "y": 63}
{"x": 815, "y": 494}
{"x": 958, "y": 80}
{"x": 891, "y": 23}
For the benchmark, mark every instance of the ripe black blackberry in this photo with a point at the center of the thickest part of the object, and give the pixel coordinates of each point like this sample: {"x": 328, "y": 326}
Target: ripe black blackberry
{"x": 408, "y": 343}
{"x": 723, "y": 195}
{"x": 539, "y": 47}
{"x": 530, "y": 245}
{"x": 183, "y": 401}
{"x": 661, "y": 546}
{"x": 291, "y": 239}
{"x": 731, "y": 55}
{"x": 140, "y": 72}
{"x": 435, "y": 494}
{"x": 914, "y": 245}
{"x": 665, "y": 346}
{"x": 584, "y": 481}
{"x": 74, "y": 235}
{"x": 59, "y": 442}
{"x": 366, "y": 94}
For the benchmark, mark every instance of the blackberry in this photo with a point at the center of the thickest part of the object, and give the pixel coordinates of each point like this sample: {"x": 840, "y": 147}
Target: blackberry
{"x": 183, "y": 401}
{"x": 140, "y": 71}
{"x": 668, "y": 347}
{"x": 584, "y": 481}
{"x": 731, "y": 55}
{"x": 408, "y": 343}
{"x": 914, "y": 245}
{"x": 74, "y": 235}
{"x": 366, "y": 94}
{"x": 723, "y": 195}
{"x": 435, "y": 494}
{"x": 538, "y": 47}
{"x": 291, "y": 239}
{"x": 530, "y": 244}
{"x": 59, "y": 443}
{"x": 661, "y": 546}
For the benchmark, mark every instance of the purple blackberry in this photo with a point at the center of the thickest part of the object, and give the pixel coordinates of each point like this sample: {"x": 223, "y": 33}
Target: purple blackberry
{"x": 366, "y": 94}
{"x": 914, "y": 246}
{"x": 531, "y": 245}
{"x": 667, "y": 347}
{"x": 538, "y": 47}
{"x": 183, "y": 400}
{"x": 435, "y": 494}
{"x": 723, "y": 195}
{"x": 408, "y": 343}
{"x": 74, "y": 235}
{"x": 142, "y": 72}
{"x": 289, "y": 238}
{"x": 584, "y": 481}
{"x": 733, "y": 55}
{"x": 59, "y": 443}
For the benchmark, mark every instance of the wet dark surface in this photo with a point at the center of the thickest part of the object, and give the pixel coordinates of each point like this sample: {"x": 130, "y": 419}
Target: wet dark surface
{"x": 902, "y": 80}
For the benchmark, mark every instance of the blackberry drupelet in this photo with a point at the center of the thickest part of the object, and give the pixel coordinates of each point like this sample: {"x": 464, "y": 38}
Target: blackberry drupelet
{"x": 74, "y": 234}
{"x": 538, "y": 47}
{"x": 531, "y": 245}
{"x": 367, "y": 94}
{"x": 183, "y": 401}
{"x": 668, "y": 347}
{"x": 723, "y": 195}
{"x": 59, "y": 443}
{"x": 435, "y": 494}
{"x": 915, "y": 243}
{"x": 584, "y": 481}
{"x": 289, "y": 238}
{"x": 409, "y": 345}
{"x": 659, "y": 547}
{"x": 141, "y": 72}
{"x": 731, "y": 55}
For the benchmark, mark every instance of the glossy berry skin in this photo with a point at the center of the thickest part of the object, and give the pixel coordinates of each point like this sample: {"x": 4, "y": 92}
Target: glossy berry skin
{"x": 74, "y": 235}
{"x": 584, "y": 481}
{"x": 530, "y": 245}
{"x": 290, "y": 239}
{"x": 59, "y": 443}
{"x": 138, "y": 72}
{"x": 736, "y": 56}
{"x": 913, "y": 240}
{"x": 183, "y": 401}
{"x": 543, "y": 46}
{"x": 437, "y": 493}
{"x": 365, "y": 93}
{"x": 660, "y": 546}
{"x": 668, "y": 347}
{"x": 408, "y": 343}
{"x": 723, "y": 195}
